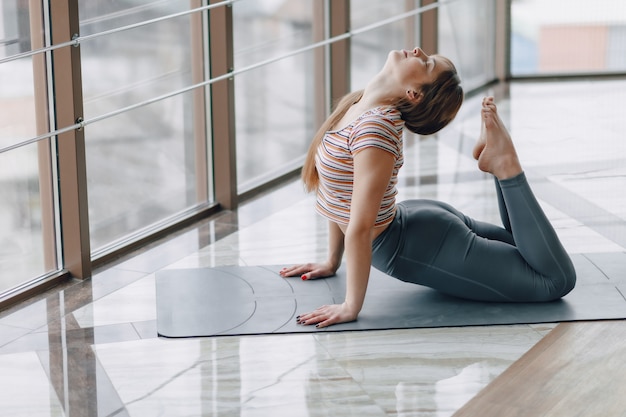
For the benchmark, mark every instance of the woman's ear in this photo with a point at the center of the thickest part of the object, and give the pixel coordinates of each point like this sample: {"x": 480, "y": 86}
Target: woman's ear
{"x": 414, "y": 96}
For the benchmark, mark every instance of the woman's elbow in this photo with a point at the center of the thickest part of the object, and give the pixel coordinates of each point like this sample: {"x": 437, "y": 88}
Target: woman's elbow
{"x": 359, "y": 232}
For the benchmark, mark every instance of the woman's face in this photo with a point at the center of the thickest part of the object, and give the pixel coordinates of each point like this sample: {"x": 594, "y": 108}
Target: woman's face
{"x": 414, "y": 68}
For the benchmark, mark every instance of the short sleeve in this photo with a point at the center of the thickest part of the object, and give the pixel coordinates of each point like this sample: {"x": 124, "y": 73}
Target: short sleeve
{"x": 378, "y": 130}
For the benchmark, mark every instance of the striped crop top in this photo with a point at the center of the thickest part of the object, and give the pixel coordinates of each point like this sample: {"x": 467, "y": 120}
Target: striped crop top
{"x": 380, "y": 127}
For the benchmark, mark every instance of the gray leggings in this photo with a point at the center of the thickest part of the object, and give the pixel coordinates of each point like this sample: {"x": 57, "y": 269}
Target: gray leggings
{"x": 432, "y": 244}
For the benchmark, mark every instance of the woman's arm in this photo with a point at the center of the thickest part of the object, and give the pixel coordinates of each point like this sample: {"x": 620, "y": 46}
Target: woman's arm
{"x": 372, "y": 171}
{"x": 373, "y": 168}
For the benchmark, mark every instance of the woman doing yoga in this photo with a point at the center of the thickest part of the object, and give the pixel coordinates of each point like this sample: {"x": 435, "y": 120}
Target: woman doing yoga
{"x": 353, "y": 165}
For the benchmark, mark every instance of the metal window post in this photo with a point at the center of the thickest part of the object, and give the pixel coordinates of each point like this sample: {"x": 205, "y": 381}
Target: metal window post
{"x": 339, "y": 13}
{"x": 319, "y": 69}
{"x": 223, "y": 106}
{"x": 68, "y": 101}
{"x": 503, "y": 39}
{"x": 411, "y": 38}
{"x": 199, "y": 111}
{"x": 429, "y": 27}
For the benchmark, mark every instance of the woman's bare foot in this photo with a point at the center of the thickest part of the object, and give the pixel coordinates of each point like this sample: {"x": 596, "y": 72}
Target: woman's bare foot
{"x": 495, "y": 151}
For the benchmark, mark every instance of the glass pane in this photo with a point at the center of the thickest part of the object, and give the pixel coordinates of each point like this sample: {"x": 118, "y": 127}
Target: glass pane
{"x": 567, "y": 36}
{"x": 273, "y": 103}
{"x": 142, "y": 165}
{"x": 26, "y": 197}
{"x": 17, "y": 96}
{"x": 21, "y": 236}
{"x": 135, "y": 65}
{"x": 140, "y": 169}
{"x": 369, "y": 50}
{"x": 467, "y": 37}
{"x": 14, "y": 28}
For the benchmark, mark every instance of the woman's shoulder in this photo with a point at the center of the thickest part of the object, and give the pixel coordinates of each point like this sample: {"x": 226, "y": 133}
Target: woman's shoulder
{"x": 380, "y": 127}
{"x": 387, "y": 111}
{"x": 380, "y": 116}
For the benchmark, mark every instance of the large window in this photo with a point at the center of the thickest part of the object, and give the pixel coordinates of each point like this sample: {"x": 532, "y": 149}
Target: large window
{"x": 27, "y": 243}
{"x": 551, "y": 37}
{"x": 467, "y": 36}
{"x": 274, "y": 103}
{"x": 141, "y": 164}
{"x": 21, "y": 232}
{"x": 369, "y": 49}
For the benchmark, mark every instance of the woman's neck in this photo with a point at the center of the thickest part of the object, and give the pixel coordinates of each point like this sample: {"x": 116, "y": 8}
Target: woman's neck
{"x": 379, "y": 93}
{"x": 376, "y": 94}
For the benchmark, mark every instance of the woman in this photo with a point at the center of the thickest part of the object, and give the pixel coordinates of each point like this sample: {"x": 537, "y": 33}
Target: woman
{"x": 353, "y": 164}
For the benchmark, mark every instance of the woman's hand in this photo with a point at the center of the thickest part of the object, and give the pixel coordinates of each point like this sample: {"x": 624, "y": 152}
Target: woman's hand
{"x": 327, "y": 315}
{"x": 309, "y": 271}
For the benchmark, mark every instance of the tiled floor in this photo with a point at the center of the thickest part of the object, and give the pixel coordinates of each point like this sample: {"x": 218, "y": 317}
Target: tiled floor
{"x": 91, "y": 349}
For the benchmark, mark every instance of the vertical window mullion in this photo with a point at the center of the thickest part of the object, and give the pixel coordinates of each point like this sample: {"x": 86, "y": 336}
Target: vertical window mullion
{"x": 429, "y": 27}
{"x": 223, "y": 106}
{"x": 68, "y": 101}
{"x": 199, "y": 110}
{"x": 339, "y": 12}
{"x": 410, "y": 26}
{"x": 319, "y": 58}
{"x": 503, "y": 39}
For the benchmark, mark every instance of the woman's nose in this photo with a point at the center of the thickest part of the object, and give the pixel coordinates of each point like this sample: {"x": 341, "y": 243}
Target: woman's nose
{"x": 418, "y": 52}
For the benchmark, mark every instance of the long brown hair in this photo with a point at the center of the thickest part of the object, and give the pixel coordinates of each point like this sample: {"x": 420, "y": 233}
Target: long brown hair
{"x": 309, "y": 172}
{"x": 440, "y": 102}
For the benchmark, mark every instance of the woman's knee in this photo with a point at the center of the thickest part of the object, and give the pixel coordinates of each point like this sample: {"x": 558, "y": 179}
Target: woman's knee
{"x": 568, "y": 278}
{"x": 561, "y": 285}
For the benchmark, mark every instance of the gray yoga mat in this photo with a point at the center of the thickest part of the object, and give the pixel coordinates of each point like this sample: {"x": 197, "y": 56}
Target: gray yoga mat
{"x": 238, "y": 300}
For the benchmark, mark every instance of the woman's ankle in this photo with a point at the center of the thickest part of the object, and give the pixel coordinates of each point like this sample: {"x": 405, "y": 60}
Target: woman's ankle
{"x": 507, "y": 166}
